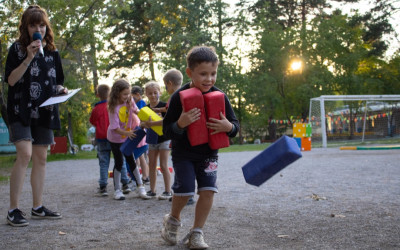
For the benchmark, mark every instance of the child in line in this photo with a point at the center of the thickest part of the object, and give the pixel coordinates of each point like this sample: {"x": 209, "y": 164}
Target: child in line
{"x": 199, "y": 162}
{"x": 99, "y": 119}
{"x": 121, "y": 112}
{"x": 173, "y": 81}
{"x": 137, "y": 93}
{"x": 161, "y": 148}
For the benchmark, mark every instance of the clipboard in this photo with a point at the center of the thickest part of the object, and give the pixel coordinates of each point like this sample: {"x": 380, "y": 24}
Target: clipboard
{"x": 60, "y": 98}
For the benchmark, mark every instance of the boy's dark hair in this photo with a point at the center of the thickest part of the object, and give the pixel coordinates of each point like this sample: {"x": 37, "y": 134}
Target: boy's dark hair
{"x": 136, "y": 90}
{"x": 102, "y": 91}
{"x": 200, "y": 54}
{"x": 174, "y": 76}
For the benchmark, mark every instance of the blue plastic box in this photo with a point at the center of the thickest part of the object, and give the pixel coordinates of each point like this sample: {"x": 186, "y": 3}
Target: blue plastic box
{"x": 152, "y": 137}
{"x": 129, "y": 145}
{"x": 272, "y": 160}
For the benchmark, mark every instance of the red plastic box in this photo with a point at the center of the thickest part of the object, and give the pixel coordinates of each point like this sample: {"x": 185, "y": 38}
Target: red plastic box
{"x": 215, "y": 104}
{"x": 197, "y": 131}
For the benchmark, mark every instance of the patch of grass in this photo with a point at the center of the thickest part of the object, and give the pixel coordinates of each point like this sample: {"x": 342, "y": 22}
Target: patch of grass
{"x": 4, "y": 178}
{"x": 81, "y": 155}
{"x": 357, "y": 142}
{"x": 245, "y": 147}
{"x": 7, "y": 161}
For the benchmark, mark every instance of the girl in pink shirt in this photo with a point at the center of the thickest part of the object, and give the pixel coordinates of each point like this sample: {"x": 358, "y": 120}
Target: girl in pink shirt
{"x": 123, "y": 119}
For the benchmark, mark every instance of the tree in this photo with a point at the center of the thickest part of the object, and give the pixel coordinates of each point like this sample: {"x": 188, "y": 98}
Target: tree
{"x": 74, "y": 23}
{"x": 157, "y": 32}
{"x": 8, "y": 32}
{"x": 188, "y": 24}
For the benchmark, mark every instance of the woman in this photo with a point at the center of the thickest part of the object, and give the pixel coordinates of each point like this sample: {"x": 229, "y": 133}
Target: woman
{"x": 32, "y": 77}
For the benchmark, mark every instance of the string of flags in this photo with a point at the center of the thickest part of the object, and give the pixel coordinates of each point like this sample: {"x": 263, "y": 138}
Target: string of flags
{"x": 335, "y": 118}
{"x": 277, "y": 121}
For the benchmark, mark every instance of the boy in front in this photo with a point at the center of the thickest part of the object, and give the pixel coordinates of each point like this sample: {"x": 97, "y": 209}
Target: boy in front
{"x": 194, "y": 163}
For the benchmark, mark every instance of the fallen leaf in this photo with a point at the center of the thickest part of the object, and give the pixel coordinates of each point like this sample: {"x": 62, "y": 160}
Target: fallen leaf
{"x": 317, "y": 197}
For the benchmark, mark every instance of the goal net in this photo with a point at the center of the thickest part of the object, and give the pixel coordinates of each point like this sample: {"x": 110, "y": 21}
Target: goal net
{"x": 341, "y": 118}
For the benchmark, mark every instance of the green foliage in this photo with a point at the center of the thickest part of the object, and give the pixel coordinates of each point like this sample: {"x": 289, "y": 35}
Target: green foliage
{"x": 75, "y": 22}
{"x": 156, "y": 31}
{"x": 8, "y": 33}
{"x": 245, "y": 147}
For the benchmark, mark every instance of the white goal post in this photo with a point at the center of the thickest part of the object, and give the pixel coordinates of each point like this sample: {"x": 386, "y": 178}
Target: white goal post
{"x": 354, "y": 117}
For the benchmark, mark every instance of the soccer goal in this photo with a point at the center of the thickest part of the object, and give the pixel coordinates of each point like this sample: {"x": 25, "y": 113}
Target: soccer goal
{"x": 336, "y": 118}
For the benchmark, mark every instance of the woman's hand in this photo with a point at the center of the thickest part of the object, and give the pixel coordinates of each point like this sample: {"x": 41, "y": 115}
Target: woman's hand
{"x": 32, "y": 49}
{"x": 18, "y": 72}
{"x": 61, "y": 90}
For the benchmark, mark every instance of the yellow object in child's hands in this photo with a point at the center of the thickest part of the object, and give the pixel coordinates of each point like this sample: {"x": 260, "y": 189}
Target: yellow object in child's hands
{"x": 126, "y": 129}
{"x": 144, "y": 115}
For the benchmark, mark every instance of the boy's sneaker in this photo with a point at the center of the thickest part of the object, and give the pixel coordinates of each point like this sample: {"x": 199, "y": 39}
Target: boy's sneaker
{"x": 118, "y": 195}
{"x": 102, "y": 191}
{"x": 126, "y": 189}
{"x": 151, "y": 194}
{"x": 146, "y": 181}
{"x": 142, "y": 192}
{"x": 195, "y": 239}
{"x": 170, "y": 228}
{"x": 165, "y": 196}
{"x": 17, "y": 218}
{"x": 44, "y": 213}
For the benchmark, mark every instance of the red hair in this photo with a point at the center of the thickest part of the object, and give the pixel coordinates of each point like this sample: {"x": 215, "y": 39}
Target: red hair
{"x": 34, "y": 14}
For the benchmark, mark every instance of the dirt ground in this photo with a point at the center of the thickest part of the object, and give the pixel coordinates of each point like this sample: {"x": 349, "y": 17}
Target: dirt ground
{"x": 328, "y": 199}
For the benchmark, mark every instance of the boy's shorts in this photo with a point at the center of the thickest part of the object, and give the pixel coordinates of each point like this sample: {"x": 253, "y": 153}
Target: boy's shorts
{"x": 160, "y": 146}
{"x": 187, "y": 172}
{"x": 37, "y": 134}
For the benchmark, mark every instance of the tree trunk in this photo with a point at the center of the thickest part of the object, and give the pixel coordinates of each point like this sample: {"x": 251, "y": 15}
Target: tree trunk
{"x": 220, "y": 46}
{"x": 3, "y": 90}
{"x": 151, "y": 63}
{"x": 272, "y": 129}
{"x": 93, "y": 56}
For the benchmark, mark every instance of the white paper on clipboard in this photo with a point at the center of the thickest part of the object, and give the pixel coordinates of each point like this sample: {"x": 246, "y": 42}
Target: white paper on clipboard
{"x": 60, "y": 98}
